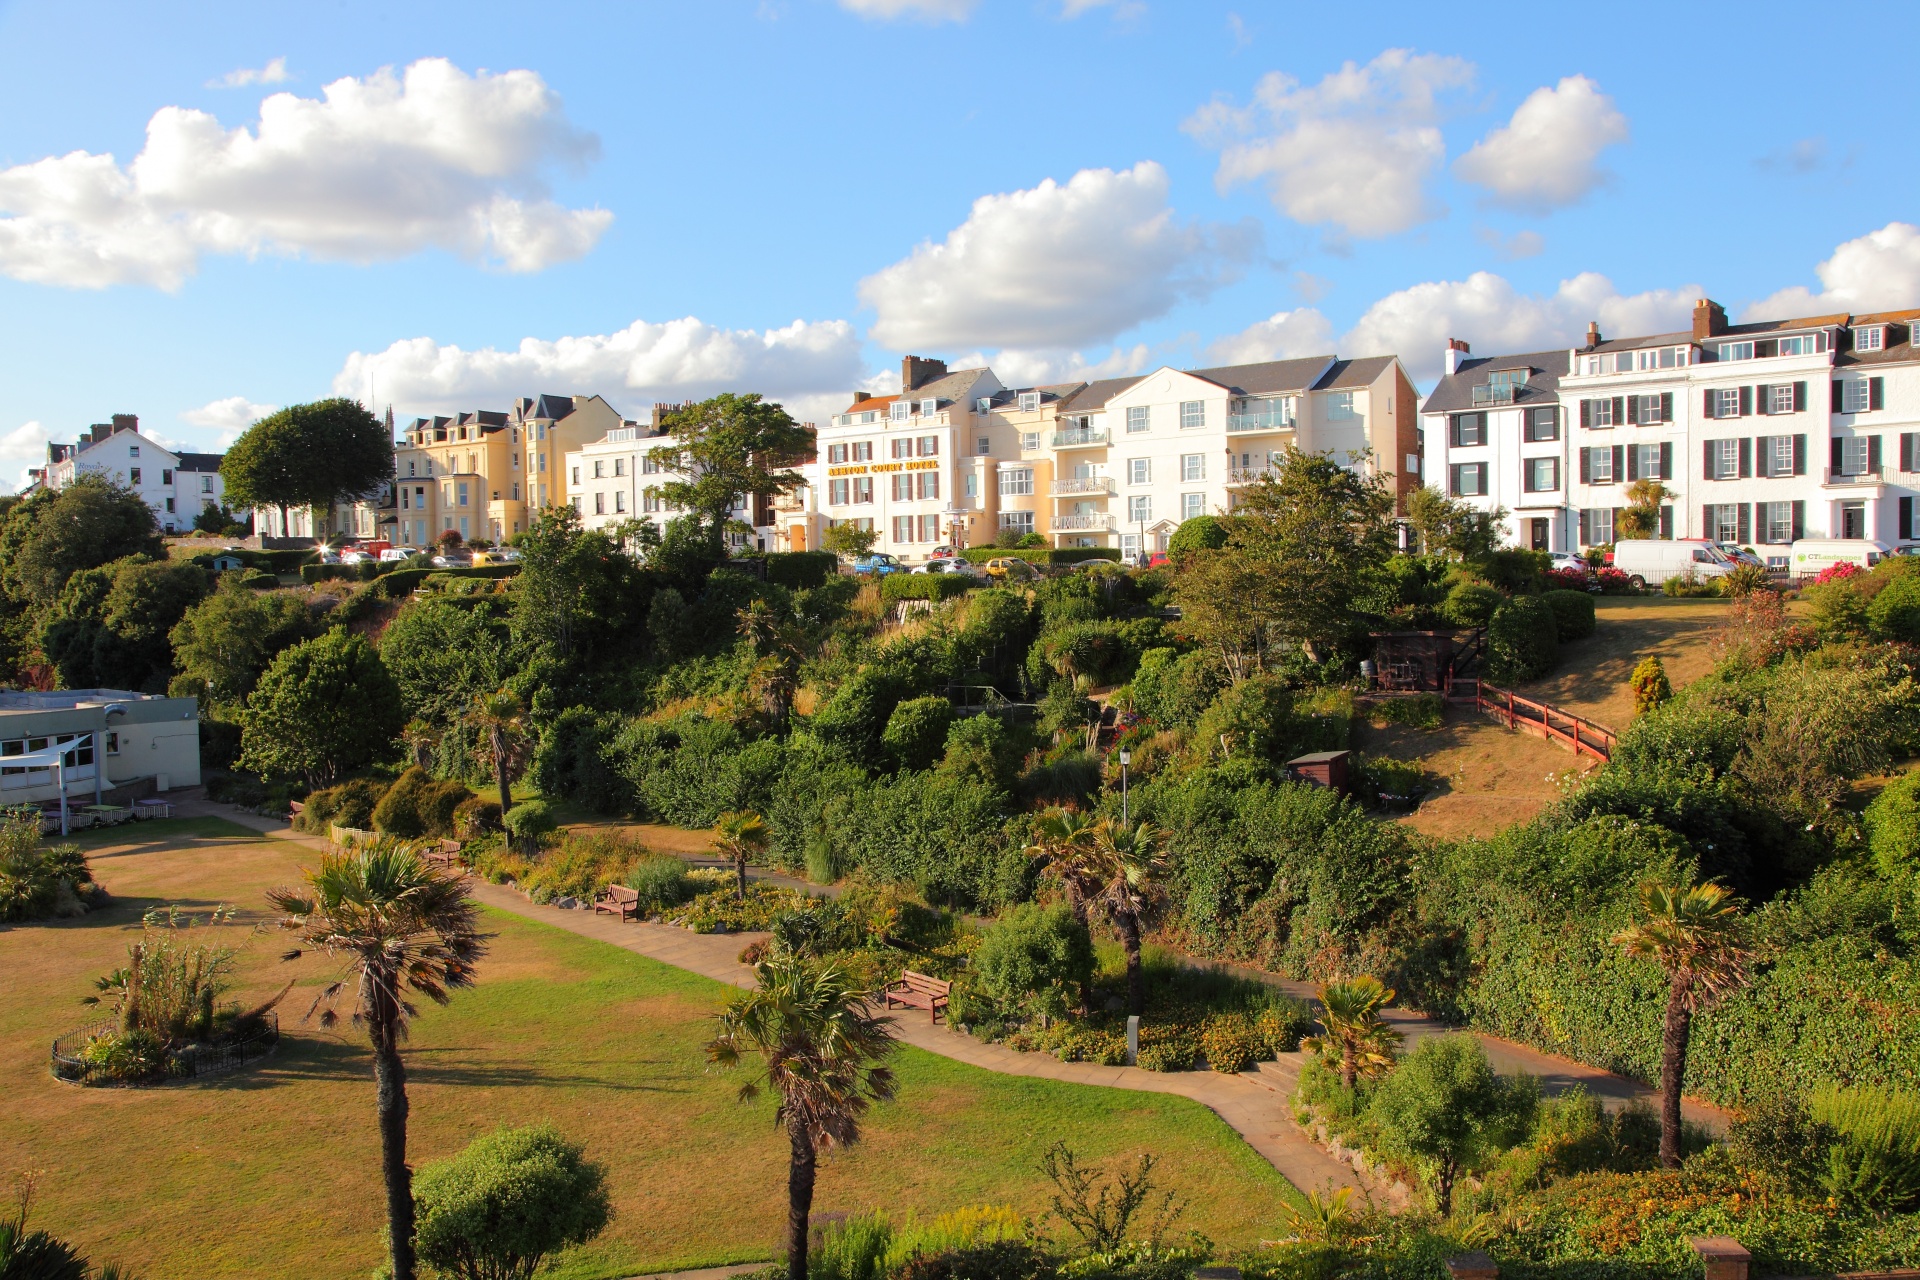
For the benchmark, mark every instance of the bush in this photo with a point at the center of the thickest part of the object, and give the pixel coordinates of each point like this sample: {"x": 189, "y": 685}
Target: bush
{"x": 506, "y": 1202}
{"x": 1230, "y": 1042}
{"x": 1421, "y": 711}
{"x": 419, "y": 805}
{"x": 1173, "y": 689}
{"x": 661, "y": 883}
{"x": 1894, "y": 613}
{"x": 1650, "y": 686}
{"x": 1523, "y": 640}
{"x": 1444, "y": 1109}
{"x": 916, "y": 732}
{"x": 1198, "y": 533}
{"x": 896, "y": 587}
{"x": 528, "y": 821}
{"x": 1874, "y": 1161}
{"x": 351, "y": 804}
{"x": 1892, "y": 824}
{"x": 1036, "y": 958}
{"x": 1572, "y": 613}
{"x": 476, "y": 816}
{"x": 1470, "y": 604}
{"x": 801, "y": 570}
{"x": 38, "y": 882}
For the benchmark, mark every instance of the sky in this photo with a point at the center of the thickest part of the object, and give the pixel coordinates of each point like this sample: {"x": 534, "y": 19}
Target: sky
{"x": 211, "y": 210}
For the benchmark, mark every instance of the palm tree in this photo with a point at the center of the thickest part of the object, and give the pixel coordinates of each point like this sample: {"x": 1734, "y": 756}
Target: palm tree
{"x": 502, "y": 718}
{"x": 399, "y": 926}
{"x": 1124, "y": 865}
{"x": 776, "y": 676}
{"x": 821, "y": 1047}
{"x": 1698, "y": 936}
{"x": 740, "y": 838}
{"x": 420, "y": 738}
{"x": 1060, "y": 837}
{"x": 1352, "y": 1027}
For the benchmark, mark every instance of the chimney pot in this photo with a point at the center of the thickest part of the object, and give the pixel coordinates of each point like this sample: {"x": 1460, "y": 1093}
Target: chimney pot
{"x": 1457, "y": 350}
{"x": 1593, "y": 334}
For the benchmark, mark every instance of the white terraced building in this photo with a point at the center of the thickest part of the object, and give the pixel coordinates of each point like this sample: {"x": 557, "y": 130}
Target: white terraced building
{"x": 957, "y": 456}
{"x": 176, "y": 484}
{"x": 1765, "y": 432}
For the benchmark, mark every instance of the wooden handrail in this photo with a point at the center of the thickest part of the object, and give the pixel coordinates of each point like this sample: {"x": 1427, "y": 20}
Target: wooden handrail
{"x": 1581, "y": 735}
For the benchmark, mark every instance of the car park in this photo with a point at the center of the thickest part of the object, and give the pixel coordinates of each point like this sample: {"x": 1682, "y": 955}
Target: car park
{"x": 394, "y": 555}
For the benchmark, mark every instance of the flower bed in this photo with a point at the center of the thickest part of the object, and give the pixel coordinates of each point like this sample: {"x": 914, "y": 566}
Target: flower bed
{"x": 106, "y": 1054}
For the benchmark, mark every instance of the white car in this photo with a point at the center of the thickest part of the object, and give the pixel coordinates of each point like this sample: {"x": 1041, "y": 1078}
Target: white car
{"x": 1567, "y": 560}
{"x": 394, "y": 555}
{"x": 355, "y": 557}
{"x": 963, "y": 568}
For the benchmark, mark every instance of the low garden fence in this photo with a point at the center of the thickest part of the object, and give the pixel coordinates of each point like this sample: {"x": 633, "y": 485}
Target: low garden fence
{"x": 1581, "y": 735}
{"x": 350, "y": 837}
{"x": 69, "y": 1059}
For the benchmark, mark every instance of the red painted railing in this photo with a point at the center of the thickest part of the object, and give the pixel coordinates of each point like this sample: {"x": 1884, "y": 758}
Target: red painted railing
{"x": 1577, "y": 733}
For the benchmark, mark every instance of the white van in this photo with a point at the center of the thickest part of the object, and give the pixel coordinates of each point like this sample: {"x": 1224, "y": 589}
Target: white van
{"x": 1811, "y": 555}
{"x": 1651, "y": 561}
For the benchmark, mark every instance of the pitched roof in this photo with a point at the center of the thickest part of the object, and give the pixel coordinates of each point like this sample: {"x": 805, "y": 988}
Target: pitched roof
{"x": 1363, "y": 372}
{"x": 199, "y": 461}
{"x": 1454, "y": 392}
{"x": 1094, "y": 395}
{"x": 1267, "y": 377}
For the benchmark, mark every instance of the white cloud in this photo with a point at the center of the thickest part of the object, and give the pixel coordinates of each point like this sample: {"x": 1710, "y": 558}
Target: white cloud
{"x": 1548, "y": 155}
{"x": 924, "y": 10}
{"x": 1493, "y": 316}
{"x": 1054, "y": 267}
{"x": 1022, "y": 367}
{"x": 1124, "y": 11}
{"x": 228, "y": 416}
{"x": 1879, "y": 271}
{"x": 24, "y": 446}
{"x": 380, "y": 168}
{"x": 808, "y": 366}
{"x": 1354, "y": 151}
{"x": 1521, "y": 244}
{"x": 1285, "y": 335}
{"x": 275, "y": 72}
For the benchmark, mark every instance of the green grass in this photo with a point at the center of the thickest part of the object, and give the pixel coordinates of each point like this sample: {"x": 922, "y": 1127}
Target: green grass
{"x": 274, "y": 1171}
{"x": 160, "y": 832}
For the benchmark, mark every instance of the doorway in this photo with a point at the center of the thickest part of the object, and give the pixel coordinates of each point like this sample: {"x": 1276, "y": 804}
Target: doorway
{"x": 1853, "y": 519}
{"x": 1540, "y": 534}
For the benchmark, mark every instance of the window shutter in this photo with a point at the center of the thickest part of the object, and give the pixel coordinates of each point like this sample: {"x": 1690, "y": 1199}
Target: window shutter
{"x": 1799, "y": 521}
{"x": 1706, "y": 405}
{"x": 1799, "y": 397}
{"x": 1746, "y": 401}
{"x": 1666, "y": 460}
{"x": 1876, "y": 393}
{"x": 1586, "y": 474}
{"x": 1746, "y": 457}
{"x": 1908, "y": 439}
{"x": 1586, "y": 516}
{"x": 1799, "y": 455}
{"x": 1743, "y": 522}
{"x": 1833, "y": 455}
{"x": 1633, "y": 411}
{"x": 1453, "y": 433}
{"x": 1706, "y": 460}
{"x": 1666, "y": 406}
{"x": 1906, "y": 518}
{"x": 1873, "y": 453}
{"x": 1760, "y": 399}
{"x": 1619, "y": 413}
{"x": 1586, "y": 415}
{"x": 1666, "y": 523}
{"x": 1619, "y": 462}
{"x": 1453, "y": 480}
{"x": 1633, "y": 464}
{"x": 1706, "y": 522}
{"x": 1837, "y": 399}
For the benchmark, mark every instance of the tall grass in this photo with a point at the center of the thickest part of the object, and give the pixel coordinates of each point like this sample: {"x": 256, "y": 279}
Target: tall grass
{"x": 874, "y": 1246}
{"x": 1875, "y": 1158}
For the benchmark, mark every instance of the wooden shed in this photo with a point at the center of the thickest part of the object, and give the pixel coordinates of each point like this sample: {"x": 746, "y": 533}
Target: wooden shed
{"x": 1322, "y": 769}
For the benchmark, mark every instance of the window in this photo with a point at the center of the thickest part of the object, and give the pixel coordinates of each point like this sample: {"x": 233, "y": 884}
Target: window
{"x": 983, "y": 446}
{"x": 1599, "y": 465}
{"x": 1599, "y": 414}
{"x": 928, "y": 446}
{"x": 899, "y": 410}
{"x": 516, "y": 491}
{"x": 983, "y": 405}
{"x": 1780, "y": 399}
{"x": 1193, "y": 466}
{"x": 650, "y": 500}
{"x": 599, "y": 504}
{"x": 1466, "y": 430}
{"x": 169, "y": 504}
{"x": 1468, "y": 479}
{"x": 648, "y": 467}
{"x": 1805, "y": 344}
{"x": 133, "y": 475}
{"x": 1017, "y": 521}
{"x": 1138, "y": 417}
{"x": 1340, "y": 406}
{"x": 1139, "y": 509}
{"x": 929, "y": 486}
{"x": 1853, "y": 519}
{"x": 929, "y": 528}
{"x": 1192, "y": 504}
{"x": 1029, "y": 402}
{"x": 576, "y": 475}
{"x": 1029, "y": 440}
{"x": 543, "y": 462}
{"x": 863, "y": 451}
{"x": 1509, "y": 380}
{"x": 166, "y": 475}
{"x": 599, "y": 469}
{"x": 929, "y": 407}
{"x": 1725, "y": 402}
{"x": 837, "y": 493}
{"x": 903, "y": 529}
{"x": 1644, "y": 462}
{"x": 1776, "y": 522}
{"x": 1777, "y": 452}
{"x": 902, "y": 488}
{"x": 1542, "y": 475}
{"x": 1648, "y": 410}
{"x": 836, "y": 453}
{"x": 1856, "y": 396}
{"x": 863, "y": 489}
{"x": 1736, "y": 351}
{"x": 1723, "y": 522}
{"x": 1193, "y": 413}
{"x": 1723, "y": 459}
{"x": 206, "y": 484}
{"x": 1543, "y": 424}
{"x": 1139, "y": 470}
{"x": 1596, "y": 525}
{"x": 619, "y": 467}
{"x": 619, "y": 502}
{"x": 973, "y": 485}
{"x": 1870, "y": 338}
{"x": 901, "y": 447}
{"x": 1855, "y": 454}
{"x": 1016, "y": 482}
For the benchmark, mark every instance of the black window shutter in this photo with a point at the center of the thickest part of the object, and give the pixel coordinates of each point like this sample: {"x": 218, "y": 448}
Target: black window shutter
{"x": 1906, "y": 518}
{"x": 1799, "y": 397}
{"x": 1666, "y": 460}
{"x": 1453, "y": 480}
{"x": 1586, "y": 518}
{"x": 1799, "y": 455}
{"x": 1873, "y": 453}
{"x": 1746, "y": 457}
{"x": 1876, "y": 393}
{"x": 1706, "y": 460}
{"x": 1907, "y": 440}
{"x": 1799, "y": 521}
{"x": 1619, "y": 462}
{"x": 1586, "y": 475}
{"x": 1666, "y": 523}
{"x": 1706, "y": 522}
{"x": 1743, "y": 520}
{"x": 1706, "y": 405}
{"x": 1666, "y": 406}
{"x": 1746, "y": 401}
{"x": 1760, "y": 399}
{"x": 1837, "y": 400}
{"x": 1619, "y": 412}
{"x": 1586, "y": 415}
{"x": 1633, "y": 464}
{"x": 1833, "y": 455}
{"x": 1633, "y": 411}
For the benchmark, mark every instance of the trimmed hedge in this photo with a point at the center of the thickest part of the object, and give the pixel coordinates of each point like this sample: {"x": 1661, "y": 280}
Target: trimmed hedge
{"x": 312, "y": 573}
{"x": 1572, "y": 613}
{"x": 264, "y": 561}
{"x": 1523, "y": 640}
{"x": 926, "y": 586}
{"x": 1041, "y": 555}
{"x": 400, "y": 583}
{"x": 799, "y": 570}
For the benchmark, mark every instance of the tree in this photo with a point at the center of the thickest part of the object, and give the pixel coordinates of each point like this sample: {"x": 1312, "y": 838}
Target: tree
{"x": 576, "y": 589}
{"x": 1037, "y": 956}
{"x": 1450, "y": 527}
{"x": 1641, "y": 517}
{"x": 1225, "y": 604}
{"x": 740, "y": 838}
{"x": 1650, "y": 684}
{"x": 222, "y": 644}
{"x": 845, "y": 538}
{"x": 916, "y": 732}
{"x": 500, "y": 1207}
{"x": 1061, "y": 838}
{"x": 776, "y": 676}
{"x": 1698, "y": 936}
{"x": 1198, "y": 533}
{"x": 1124, "y": 863}
{"x": 399, "y": 927}
{"x": 323, "y": 709}
{"x": 48, "y": 537}
{"x": 821, "y": 1048}
{"x": 500, "y": 719}
{"x": 308, "y": 455}
{"x": 1352, "y": 1030}
{"x": 1444, "y": 1107}
{"x": 109, "y": 628}
{"x": 729, "y": 448}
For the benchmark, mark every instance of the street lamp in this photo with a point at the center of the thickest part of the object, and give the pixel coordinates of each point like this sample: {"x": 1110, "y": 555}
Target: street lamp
{"x": 1126, "y": 758}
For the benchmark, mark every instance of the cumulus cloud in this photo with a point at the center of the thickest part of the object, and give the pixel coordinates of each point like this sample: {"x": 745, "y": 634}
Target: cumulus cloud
{"x": 1548, "y": 155}
{"x": 808, "y": 366}
{"x": 275, "y": 72}
{"x": 228, "y": 416}
{"x": 24, "y": 446}
{"x": 1124, "y": 11}
{"x": 377, "y": 168}
{"x": 1055, "y": 267}
{"x": 1880, "y": 271}
{"x": 1354, "y": 151}
{"x": 1023, "y": 367}
{"x": 924, "y": 10}
{"x": 1285, "y": 335}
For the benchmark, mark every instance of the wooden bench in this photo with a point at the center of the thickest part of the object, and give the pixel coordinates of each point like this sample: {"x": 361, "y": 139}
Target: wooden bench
{"x": 618, "y": 900}
{"x": 918, "y": 991}
{"x": 444, "y": 853}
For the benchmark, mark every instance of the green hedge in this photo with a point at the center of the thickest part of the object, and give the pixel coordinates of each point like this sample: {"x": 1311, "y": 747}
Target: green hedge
{"x": 1523, "y": 640}
{"x": 1572, "y": 613}
{"x": 1042, "y": 555}
{"x": 798, "y": 570}
{"x": 312, "y": 573}
{"x": 400, "y": 583}
{"x": 926, "y": 586}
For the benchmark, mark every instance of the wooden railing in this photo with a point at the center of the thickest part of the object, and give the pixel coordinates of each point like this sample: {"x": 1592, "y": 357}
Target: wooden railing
{"x": 1577, "y": 733}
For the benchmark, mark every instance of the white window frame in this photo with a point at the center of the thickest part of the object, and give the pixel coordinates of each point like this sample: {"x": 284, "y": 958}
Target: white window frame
{"x": 1856, "y": 395}
{"x": 1533, "y": 466}
{"x": 1726, "y": 460}
{"x": 899, "y": 411}
{"x": 1726, "y": 402}
{"x": 1139, "y": 418}
{"x": 1018, "y": 521}
{"x": 1139, "y": 470}
{"x": 1780, "y": 398}
{"x": 1140, "y": 508}
{"x": 1855, "y": 451}
{"x": 929, "y": 407}
{"x": 1598, "y": 460}
{"x": 839, "y": 492}
{"x": 1016, "y": 482}
{"x": 1192, "y": 504}
{"x": 1029, "y": 441}
{"x": 1193, "y": 414}
{"x": 1600, "y": 521}
{"x": 1736, "y": 351}
{"x": 1778, "y": 519}
{"x": 1871, "y": 337}
{"x": 1340, "y": 406}
{"x": 984, "y": 447}
{"x": 1029, "y": 402}
{"x": 927, "y": 446}
{"x": 1193, "y": 466}
{"x": 862, "y": 490}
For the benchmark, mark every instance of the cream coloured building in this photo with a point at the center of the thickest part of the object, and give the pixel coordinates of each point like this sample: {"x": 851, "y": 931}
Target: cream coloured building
{"x": 141, "y": 738}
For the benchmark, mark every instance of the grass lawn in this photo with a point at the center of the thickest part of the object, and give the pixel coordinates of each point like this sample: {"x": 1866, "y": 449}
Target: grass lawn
{"x": 273, "y": 1171}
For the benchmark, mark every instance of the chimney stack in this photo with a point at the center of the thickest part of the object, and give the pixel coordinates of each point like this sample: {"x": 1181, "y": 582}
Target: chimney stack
{"x": 861, "y": 397}
{"x": 916, "y": 371}
{"x": 1593, "y": 334}
{"x": 1709, "y": 319}
{"x": 1457, "y": 351}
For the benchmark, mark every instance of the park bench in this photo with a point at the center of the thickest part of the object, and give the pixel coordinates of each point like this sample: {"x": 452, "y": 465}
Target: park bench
{"x": 444, "y": 853}
{"x": 618, "y": 900}
{"x": 918, "y": 991}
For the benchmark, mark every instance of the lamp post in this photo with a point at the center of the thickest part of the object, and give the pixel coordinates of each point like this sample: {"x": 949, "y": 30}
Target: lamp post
{"x": 1126, "y": 758}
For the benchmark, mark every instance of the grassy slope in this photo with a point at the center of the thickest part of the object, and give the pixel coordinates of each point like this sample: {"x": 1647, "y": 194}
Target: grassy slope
{"x": 273, "y": 1171}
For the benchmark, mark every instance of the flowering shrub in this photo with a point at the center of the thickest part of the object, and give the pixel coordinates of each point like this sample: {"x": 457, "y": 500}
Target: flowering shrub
{"x": 1567, "y": 580}
{"x": 1612, "y": 582}
{"x": 1838, "y": 572}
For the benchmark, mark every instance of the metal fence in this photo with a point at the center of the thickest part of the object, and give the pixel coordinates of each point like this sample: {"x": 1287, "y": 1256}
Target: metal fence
{"x": 188, "y": 1062}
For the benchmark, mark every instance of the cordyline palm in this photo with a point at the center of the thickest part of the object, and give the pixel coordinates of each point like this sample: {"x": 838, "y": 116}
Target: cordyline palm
{"x": 740, "y": 838}
{"x": 775, "y": 676}
{"x": 400, "y": 926}
{"x": 1123, "y": 865}
{"x": 821, "y": 1047}
{"x": 420, "y": 738}
{"x": 1698, "y": 936}
{"x": 502, "y": 718}
{"x": 1352, "y": 1028}
{"x": 1060, "y": 838}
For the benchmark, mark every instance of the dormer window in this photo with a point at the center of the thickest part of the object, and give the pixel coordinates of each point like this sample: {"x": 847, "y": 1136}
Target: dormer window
{"x": 1029, "y": 402}
{"x": 1872, "y": 337}
{"x": 899, "y": 411}
{"x": 929, "y": 407}
{"x": 983, "y": 406}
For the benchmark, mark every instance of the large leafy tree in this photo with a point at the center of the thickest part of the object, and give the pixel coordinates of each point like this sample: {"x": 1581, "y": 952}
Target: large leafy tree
{"x": 309, "y": 455}
{"x": 821, "y": 1047}
{"x": 401, "y": 928}
{"x": 48, "y": 537}
{"x": 110, "y": 626}
{"x": 1448, "y": 526}
{"x": 1446, "y": 1109}
{"x": 500, "y": 720}
{"x": 728, "y": 448}
{"x": 222, "y": 644}
{"x": 576, "y": 591}
{"x": 1698, "y": 936}
{"x": 322, "y": 709}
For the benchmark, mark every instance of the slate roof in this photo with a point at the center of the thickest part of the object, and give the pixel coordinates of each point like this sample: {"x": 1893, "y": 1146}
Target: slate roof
{"x": 1094, "y": 395}
{"x": 1363, "y": 372}
{"x": 1268, "y": 377}
{"x": 199, "y": 461}
{"x": 1454, "y": 392}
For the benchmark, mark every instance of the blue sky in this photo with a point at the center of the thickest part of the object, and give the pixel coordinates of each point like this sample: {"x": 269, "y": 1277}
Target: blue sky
{"x": 652, "y": 201}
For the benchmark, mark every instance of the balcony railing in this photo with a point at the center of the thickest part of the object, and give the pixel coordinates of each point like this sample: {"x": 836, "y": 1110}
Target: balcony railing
{"x": 1250, "y": 475}
{"x": 1078, "y": 438}
{"x": 1842, "y": 476}
{"x": 1081, "y": 523}
{"x": 1265, "y": 420}
{"x": 1494, "y": 393}
{"x": 1084, "y": 484}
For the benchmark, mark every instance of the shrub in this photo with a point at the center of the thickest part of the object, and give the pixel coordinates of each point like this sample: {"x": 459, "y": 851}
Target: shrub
{"x": 801, "y": 570}
{"x": 1385, "y": 776}
{"x": 476, "y": 816}
{"x": 1572, "y": 613}
{"x": 916, "y": 732}
{"x": 996, "y": 1260}
{"x": 1198, "y": 533}
{"x": 661, "y": 883}
{"x": 1470, "y": 604}
{"x": 1893, "y": 828}
{"x": 38, "y": 882}
{"x": 351, "y": 804}
{"x": 1036, "y": 958}
{"x": 1281, "y": 1026}
{"x": 527, "y": 822}
{"x": 582, "y": 863}
{"x": 1894, "y": 613}
{"x": 896, "y": 587}
{"x": 505, "y": 1203}
{"x": 1446, "y": 1110}
{"x": 1523, "y": 640}
{"x": 1230, "y": 1042}
{"x": 1173, "y": 689}
{"x": 419, "y": 805}
{"x": 1650, "y": 686}
{"x": 1421, "y": 711}
{"x": 1874, "y": 1161}
{"x": 1744, "y": 580}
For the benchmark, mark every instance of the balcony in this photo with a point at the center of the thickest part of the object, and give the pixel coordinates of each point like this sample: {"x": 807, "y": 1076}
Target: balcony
{"x": 1250, "y": 475}
{"x": 1265, "y": 420}
{"x": 1079, "y": 438}
{"x": 1083, "y": 484}
{"x": 1089, "y": 523}
{"x": 1843, "y": 478}
{"x": 1494, "y": 393}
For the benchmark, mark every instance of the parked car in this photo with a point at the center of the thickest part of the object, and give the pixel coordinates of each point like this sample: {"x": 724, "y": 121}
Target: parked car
{"x": 879, "y": 564}
{"x": 1568, "y": 560}
{"x": 354, "y": 555}
{"x": 394, "y": 555}
{"x": 497, "y": 555}
{"x": 328, "y": 555}
{"x": 1011, "y": 569}
{"x": 1651, "y": 561}
{"x": 953, "y": 567}
{"x": 1739, "y": 554}
{"x": 1811, "y": 555}
{"x": 942, "y": 553}
{"x": 453, "y": 560}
